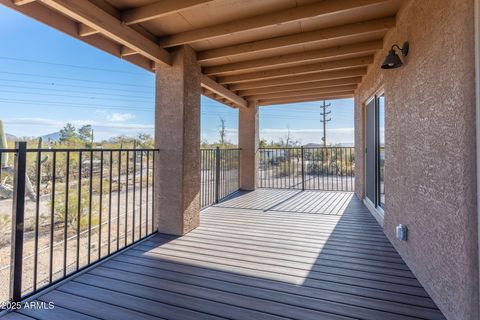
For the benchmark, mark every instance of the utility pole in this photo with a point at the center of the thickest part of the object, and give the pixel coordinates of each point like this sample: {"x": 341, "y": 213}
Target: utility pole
{"x": 325, "y": 112}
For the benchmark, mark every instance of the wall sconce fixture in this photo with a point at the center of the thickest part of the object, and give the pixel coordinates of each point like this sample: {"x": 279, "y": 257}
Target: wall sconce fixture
{"x": 392, "y": 60}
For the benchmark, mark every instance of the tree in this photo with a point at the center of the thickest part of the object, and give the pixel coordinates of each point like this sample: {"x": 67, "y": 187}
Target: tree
{"x": 85, "y": 133}
{"x": 145, "y": 140}
{"x": 68, "y": 133}
{"x": 222, "y": 130}
{"x": 287, "y": 141}
{"x": 263, "y": 143}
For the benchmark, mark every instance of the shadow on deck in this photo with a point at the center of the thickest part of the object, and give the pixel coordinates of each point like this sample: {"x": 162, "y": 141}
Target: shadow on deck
{"x": 267, "y": 254}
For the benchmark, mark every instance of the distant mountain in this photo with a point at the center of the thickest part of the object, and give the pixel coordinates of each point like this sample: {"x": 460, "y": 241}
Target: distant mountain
{"x": 313, "y": 145}
{"x": 52, "y": 137}
{"x": 341, "y": 144}
{"x": 347, "y": 144}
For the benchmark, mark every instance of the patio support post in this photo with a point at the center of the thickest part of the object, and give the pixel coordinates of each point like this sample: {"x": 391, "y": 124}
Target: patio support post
{"x": 177, "y": 136}
{"x": 248, "y": 143}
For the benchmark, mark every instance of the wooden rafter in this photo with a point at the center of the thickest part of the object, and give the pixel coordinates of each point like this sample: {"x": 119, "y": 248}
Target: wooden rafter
{"x": 145, "y": 13}
{"x": 220, "y": 90}
{"x": 301, "y": 86}
{"x": 304, "y": 78}
{"x": 59, "y": 22}
{"x": 22, "y": 2}
{"x": 85, "y": 31}
{"x": 297, "y": 70}
{"x": 301, "y": 57}
{"x": 352, "y": 29}
{"x": 126, "y": 51}
{"x": 338, "y": 95}
{"x": 301, "y": 66}
{"x": 159, "y": 9}
{"x": 308, "y": 92}
{"x": 317, "y": 9}
{"x": 87, "y": 13}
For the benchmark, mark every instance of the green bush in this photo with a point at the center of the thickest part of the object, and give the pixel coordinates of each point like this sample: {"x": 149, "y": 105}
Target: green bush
{"x": 73, "y": 205}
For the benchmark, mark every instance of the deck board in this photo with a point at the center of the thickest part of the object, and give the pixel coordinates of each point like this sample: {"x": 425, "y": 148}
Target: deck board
{"x": 268, "y": 254}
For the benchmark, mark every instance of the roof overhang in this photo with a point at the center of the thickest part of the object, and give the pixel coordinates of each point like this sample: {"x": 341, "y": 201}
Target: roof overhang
{"x": 269, "y": 51}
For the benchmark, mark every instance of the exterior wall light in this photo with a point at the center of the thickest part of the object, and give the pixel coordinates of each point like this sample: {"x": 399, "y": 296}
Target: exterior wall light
{"x": 392, "y": 60}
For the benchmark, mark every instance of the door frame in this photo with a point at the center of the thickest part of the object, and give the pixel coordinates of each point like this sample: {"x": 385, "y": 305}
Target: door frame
{"x": 377, "y": 211}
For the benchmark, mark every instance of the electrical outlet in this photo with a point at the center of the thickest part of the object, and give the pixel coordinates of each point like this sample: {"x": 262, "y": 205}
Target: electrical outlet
{"x": 402, "y": 232}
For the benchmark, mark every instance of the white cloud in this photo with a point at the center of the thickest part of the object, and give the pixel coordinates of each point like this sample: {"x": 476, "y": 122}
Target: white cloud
{"x": 120, "y": 117}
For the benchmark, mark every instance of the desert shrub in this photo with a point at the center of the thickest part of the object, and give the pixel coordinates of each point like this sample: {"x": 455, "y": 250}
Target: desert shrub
{"x": 73, "y": 205}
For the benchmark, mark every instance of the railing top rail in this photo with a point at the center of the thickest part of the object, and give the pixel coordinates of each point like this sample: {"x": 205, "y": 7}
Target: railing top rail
{"x": 304, "y": 147}
{"x": 77, "y": 150}
{"x": 87, "y": 150}
{"x": 233, "y": 149}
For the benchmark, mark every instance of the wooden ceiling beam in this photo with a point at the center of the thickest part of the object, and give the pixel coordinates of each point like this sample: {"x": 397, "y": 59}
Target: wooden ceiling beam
{"x": 59, "y": 22}
{"x": 304, "y": 78}
{"x": 317, "y": 9}
{"x": 159, "y": 9}
{"x": 301, "y": 86}
{"x": 302, "y": 57}
{"x": 89, "y": 14}
{"x": 126, "y": 51}
{"x": 216, "y": 88}
{"x": 145, "y": 13}
{"x": 338, "y": 95}
{"x": 297, "y": 70}
{"x": 22, "y": 2}
{"x": 382, "y": 24}
{"x": 85, "y": 31}
{"x": 308, "y": 92}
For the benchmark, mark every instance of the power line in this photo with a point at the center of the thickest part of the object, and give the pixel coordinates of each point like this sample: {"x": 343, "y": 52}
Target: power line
{"x": 73, "y": 105}
{"x": 72, "y": 79}
{"x": 71, "y": 85}
{"x": 68, "y": 65}
{"x": 72, "y": 96}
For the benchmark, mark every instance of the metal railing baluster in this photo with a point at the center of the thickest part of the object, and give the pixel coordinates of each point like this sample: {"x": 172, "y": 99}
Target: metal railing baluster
{"x": 16, "y": 257}
{"x": 65, "y": 219}
{"x": 52, "y": 215}
{"x": 79, "y": 207}
{"x": 73, "y": 212}
{"x": 37, "y": 216}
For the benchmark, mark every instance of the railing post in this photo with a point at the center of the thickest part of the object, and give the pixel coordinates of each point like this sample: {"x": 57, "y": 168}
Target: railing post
{"x": 217, "y": 174}
{"x": 303, "y": 170}
{"x": 16, "y": 256}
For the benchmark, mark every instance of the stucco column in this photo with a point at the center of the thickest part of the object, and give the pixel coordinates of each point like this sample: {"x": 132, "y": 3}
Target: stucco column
{"x": 177, "y": 135}
{"x": 248, "y": 142}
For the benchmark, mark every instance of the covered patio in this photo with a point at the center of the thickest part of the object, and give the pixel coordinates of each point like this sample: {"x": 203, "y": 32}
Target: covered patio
{"x": 266, "y": 254}
{"x": 292, "y": 254}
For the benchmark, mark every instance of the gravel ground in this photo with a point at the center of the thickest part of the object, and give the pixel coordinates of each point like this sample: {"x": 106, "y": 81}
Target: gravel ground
{"x": 72, "y": 239}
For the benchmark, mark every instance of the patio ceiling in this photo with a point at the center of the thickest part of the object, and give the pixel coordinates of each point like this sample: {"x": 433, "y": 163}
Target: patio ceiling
{"x": 270, "y": 51}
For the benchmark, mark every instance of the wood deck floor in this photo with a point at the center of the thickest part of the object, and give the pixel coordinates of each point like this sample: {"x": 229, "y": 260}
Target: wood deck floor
{"x": 268, "y": 254}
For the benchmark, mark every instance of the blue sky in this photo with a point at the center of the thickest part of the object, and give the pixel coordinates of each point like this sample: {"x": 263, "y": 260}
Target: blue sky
{"x": 48, "y": 79}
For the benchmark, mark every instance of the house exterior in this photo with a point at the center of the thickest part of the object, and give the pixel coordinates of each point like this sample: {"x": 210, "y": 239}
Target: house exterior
{"x": 430, "y": 149}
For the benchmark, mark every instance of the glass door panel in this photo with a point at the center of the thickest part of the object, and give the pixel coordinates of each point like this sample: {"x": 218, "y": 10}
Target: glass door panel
{"x": 381, "y": 150}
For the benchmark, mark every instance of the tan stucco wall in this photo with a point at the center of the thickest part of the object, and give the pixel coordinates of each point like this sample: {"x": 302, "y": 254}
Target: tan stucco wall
{"x": 248, "y": 140}
{"x": 430, "y": 149}
{"x": 177, "y": 135}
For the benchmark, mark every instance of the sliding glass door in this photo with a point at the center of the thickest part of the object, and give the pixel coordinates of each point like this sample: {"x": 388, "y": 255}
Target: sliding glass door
{"x": 375, "y": 151}
{"x": 381, "y": 150}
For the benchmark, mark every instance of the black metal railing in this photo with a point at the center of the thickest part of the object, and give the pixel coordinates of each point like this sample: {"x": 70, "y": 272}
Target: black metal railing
{"x": 71, "y": 208}
{"x": 307, "y": 168}
{"x": 219, "y": 174}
